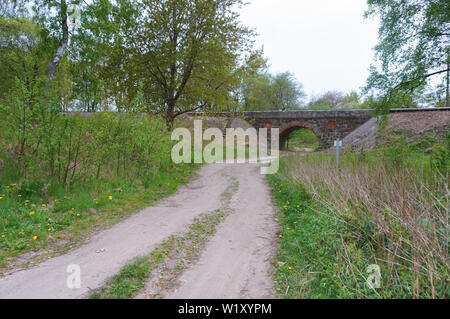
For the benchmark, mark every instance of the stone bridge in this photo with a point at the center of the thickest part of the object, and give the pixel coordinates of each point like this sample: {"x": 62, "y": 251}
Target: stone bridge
{"x": 326, "y": 125}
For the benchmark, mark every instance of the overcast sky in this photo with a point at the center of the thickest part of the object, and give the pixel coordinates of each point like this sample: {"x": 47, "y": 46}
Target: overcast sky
{"x": 327, "y": 44}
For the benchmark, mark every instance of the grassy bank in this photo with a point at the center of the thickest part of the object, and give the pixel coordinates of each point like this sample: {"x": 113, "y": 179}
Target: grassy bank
{"x": 63, "y": 177}
{"x": 60, "y": 220}
{"x": 386, "y": 207}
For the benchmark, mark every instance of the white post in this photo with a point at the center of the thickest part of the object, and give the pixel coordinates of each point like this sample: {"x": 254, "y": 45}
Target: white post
{"x": 338, "y": 145}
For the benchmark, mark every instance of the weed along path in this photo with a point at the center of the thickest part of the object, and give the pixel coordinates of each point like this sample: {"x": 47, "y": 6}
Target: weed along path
{"x": 234, "y": 262}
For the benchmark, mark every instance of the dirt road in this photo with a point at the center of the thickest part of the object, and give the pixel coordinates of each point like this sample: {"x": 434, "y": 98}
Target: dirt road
{"x": 234, "y": 264}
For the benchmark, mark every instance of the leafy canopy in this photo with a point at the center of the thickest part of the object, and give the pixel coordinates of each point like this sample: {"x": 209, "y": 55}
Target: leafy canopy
{"x": 413, "y": 49}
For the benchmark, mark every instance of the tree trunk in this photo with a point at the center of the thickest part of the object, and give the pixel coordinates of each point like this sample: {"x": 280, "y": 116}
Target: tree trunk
{"x": 51, "y": 69}
{"x": 170, "y": 114}
{"x": 448, "y": 80}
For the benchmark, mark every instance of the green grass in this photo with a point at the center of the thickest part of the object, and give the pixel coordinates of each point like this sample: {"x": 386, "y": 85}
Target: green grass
{"x": 302, "y": 138}
{"x": 384, "y": 208}
{"x": 70, "y": 217}
{"x": 127, "y": 282}
{"x": 308, "y": 266}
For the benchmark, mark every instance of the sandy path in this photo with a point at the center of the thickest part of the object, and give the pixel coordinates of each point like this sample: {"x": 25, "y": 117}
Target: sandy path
{"x": 235, "y": 264}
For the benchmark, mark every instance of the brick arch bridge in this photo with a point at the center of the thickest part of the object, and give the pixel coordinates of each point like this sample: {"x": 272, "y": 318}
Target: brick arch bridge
{"x": 326, "y": 125}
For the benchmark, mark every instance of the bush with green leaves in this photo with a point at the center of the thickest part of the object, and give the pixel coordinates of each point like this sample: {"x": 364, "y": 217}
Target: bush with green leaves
{"x": 45, "y": 144}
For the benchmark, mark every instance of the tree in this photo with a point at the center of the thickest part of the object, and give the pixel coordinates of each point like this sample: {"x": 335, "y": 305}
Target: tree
{"x": 53, "y": 15}
{"x": 253, "y": 92}
{"x": 22, "y": 53}
{"x": 183, "y": 52}
{"x": 34, "y": 34}
{"x": 13, "y": 8}
{"x": 413, "y": 49}
{"x": 332, "y": 98}
{"x": 286, "y": 93}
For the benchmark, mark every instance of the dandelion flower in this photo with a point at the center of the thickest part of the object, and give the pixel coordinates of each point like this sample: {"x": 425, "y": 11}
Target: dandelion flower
{"x": 32, "y": 213}
{"x": 110, "y": 197}
{"x": 27, "y": 201}
{"x": 34, "y": 237}
{"x": 44, "y": 205}
{"x": 281, "y": 236}
{"x": 78, "y": 215}
{"x": 3, "y": 236}
{"x": 49, "y": 229}
{"x": 73, "y": 208}
{"x": 290, "y": 268}
{"x": 1, "y": 198}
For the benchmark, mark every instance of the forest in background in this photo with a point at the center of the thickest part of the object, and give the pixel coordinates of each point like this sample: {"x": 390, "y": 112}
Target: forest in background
{"x": 170, "y": 57}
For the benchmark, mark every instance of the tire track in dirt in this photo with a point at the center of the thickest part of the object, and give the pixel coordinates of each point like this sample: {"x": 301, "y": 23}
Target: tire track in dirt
{"x": 236, "y": 262}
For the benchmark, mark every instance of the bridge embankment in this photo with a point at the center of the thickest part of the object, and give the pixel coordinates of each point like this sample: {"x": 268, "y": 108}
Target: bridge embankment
{"x": 326, "y": 125}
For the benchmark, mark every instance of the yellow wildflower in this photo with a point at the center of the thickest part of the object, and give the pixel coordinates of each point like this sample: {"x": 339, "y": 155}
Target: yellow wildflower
{"x": 290, "y": 268}
{"x": 3, "y": 236}
{"x": 34, "y": 237}
{"x": 44, "y": 205}
{"x": 110, "y": 197}
{"x": 32, "y": 213}
{"x": 1, "y": 198}
{"x": 49, "y": 229}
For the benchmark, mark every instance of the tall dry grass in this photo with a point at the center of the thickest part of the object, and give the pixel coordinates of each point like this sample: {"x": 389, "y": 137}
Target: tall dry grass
{"x": 399, "y": 211}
